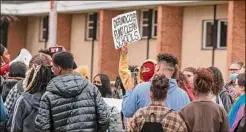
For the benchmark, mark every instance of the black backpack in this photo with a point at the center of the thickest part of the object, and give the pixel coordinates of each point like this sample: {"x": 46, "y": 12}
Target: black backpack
{"x": 154, "y": 126}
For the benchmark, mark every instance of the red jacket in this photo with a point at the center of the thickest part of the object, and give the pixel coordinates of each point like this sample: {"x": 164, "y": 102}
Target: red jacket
{"x": 4, "y": 69}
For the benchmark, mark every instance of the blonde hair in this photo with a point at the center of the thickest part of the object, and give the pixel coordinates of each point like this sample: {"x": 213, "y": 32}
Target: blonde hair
{"x": 82, "y": 71}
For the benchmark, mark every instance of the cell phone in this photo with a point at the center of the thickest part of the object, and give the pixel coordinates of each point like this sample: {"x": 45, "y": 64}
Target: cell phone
{"x": 55, "y": 49}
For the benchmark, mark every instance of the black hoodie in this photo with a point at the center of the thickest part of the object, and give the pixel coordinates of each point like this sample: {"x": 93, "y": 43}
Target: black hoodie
{"x": 25, "y": 112}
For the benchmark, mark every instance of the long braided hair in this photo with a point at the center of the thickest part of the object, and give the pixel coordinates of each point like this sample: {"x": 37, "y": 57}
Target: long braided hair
{"x": 38, "y": 79}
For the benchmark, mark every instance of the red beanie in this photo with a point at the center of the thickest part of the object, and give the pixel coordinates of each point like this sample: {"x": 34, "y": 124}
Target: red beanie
{"x": 147, "y": 71}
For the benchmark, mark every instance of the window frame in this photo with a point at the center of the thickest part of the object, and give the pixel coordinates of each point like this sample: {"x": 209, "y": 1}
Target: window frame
{"x": 87, "y": 38}
{"x": 41, "y": 25}
{"x": 204, "y": 32}
{"x": 141, "y": 23}
{"x": 154, "y": 24}
{"x": 204, "y": 26}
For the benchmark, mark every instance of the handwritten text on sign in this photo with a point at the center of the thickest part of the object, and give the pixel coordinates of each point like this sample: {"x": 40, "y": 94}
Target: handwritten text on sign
{"x": 125, "y": 29}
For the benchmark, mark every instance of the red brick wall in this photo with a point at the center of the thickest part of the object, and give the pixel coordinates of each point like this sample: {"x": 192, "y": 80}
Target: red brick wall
{"x": 108, "y": 62}
{"x": 64, "y": 30}
{"x": 169, "y": 30}
{"x": 17, "y": 36}
{"x": 236, "y": 32}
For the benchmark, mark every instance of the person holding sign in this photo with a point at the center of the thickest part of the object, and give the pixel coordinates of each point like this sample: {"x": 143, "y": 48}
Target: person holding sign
{"x": 130, "y": 80}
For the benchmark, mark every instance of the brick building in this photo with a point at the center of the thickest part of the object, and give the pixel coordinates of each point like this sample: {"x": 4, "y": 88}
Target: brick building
{"x": 183, "y": 28}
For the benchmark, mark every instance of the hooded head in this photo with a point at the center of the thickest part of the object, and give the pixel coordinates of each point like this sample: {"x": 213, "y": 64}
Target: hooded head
{"x": 147, "y": 70}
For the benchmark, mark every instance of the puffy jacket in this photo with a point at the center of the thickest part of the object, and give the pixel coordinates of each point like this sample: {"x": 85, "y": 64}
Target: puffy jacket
{"x": 26, "y": 109}
{"x": 71, "y": 103}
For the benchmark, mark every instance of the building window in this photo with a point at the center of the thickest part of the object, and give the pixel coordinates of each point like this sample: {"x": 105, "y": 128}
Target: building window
{"x": 221, "y": 34}
{"x": 44, "y": 29}
{"x": 154, "y": 28}
{"x": 144, "y": 23}
{"x": 89, "y": 27}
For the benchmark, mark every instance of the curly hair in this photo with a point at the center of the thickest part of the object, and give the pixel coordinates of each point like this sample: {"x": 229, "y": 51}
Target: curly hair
{"x": 203, "y": 80}
{"x": 217, "y": 79}
{"x": 159, "y": 87}
{"x": 170, "y": 59}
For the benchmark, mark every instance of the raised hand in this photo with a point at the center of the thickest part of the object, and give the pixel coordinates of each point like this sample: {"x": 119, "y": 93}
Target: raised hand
{"x": 124, "y": 49}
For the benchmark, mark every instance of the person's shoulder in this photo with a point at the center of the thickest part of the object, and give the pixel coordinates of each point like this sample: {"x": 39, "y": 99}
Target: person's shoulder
{"x": 143, "y": 85}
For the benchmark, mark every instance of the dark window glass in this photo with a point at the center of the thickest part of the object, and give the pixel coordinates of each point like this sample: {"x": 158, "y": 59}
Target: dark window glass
{"x": 209, "y": 31}
{"x": 223, "y": 34}
{"x": 145, "y": 14}
{"x": 145, "y": 32}
{"x": 90, "y": 33}
{"x": 155, "y": 31}
{"x": 155, "y": 21}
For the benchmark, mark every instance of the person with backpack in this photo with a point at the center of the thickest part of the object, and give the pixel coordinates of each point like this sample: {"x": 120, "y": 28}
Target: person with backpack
{"x": 17, "y": 72}
{"x": 202, "y": 114}
{"x": 156, "y": 117}
{"x": 220, "y": 95}
{"x": 27, "y": 105}
{"x": 240, "y": 91}
{"x": 139, "y": 97}
{"x": 70, "y": 102}
{"x": 113, "y": 105}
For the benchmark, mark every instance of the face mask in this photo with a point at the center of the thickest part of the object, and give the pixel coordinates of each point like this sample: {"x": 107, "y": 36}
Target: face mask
{"x": 233, "y": 76}
{"x": 98, "y": 86}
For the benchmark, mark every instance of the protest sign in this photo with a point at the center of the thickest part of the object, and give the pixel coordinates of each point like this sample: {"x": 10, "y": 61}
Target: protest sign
{"x": 125, "y": 29}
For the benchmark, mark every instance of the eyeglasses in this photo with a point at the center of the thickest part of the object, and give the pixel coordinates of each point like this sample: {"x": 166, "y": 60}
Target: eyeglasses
{"x": 234, "y": 69}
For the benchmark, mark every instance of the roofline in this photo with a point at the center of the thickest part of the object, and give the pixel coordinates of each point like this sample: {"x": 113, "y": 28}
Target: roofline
{"x": 80, "y": 6}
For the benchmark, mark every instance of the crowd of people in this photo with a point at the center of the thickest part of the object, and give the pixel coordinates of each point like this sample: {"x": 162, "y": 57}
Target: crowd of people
{"x": 52, "y": 93}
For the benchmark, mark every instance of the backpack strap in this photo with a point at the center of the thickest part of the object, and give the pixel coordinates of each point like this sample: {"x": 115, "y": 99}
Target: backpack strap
{"x": 217, "y": 100}
{"x": 169, "y": 111}
{"x": 152, "y": 114}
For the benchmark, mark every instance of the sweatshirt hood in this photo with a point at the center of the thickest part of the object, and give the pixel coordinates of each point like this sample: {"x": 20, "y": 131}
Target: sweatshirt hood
{"x": 173, "y": 85}
{"x": 68, "y": 85}
{"x": 32, "y": 99}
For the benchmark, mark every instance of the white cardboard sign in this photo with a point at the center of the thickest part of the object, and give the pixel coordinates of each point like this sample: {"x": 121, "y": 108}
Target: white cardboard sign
{"x": 125, "y": 29}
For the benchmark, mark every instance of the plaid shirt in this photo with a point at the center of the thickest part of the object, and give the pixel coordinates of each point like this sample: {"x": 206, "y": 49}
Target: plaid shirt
{"x": 171, "y": 122}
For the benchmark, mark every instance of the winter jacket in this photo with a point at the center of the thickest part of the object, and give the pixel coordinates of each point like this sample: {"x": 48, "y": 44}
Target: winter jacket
{"x": 8, "y": 84}
{"x": 3, "y": 116}
{"x": 226, "y": 100}
{"x": 25, "y": 112}
{"x": 235, "y": 108}
{"x": 71, "y": 103}
{"x": 138, "y": 98}
{"x": 4, "y": 69}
